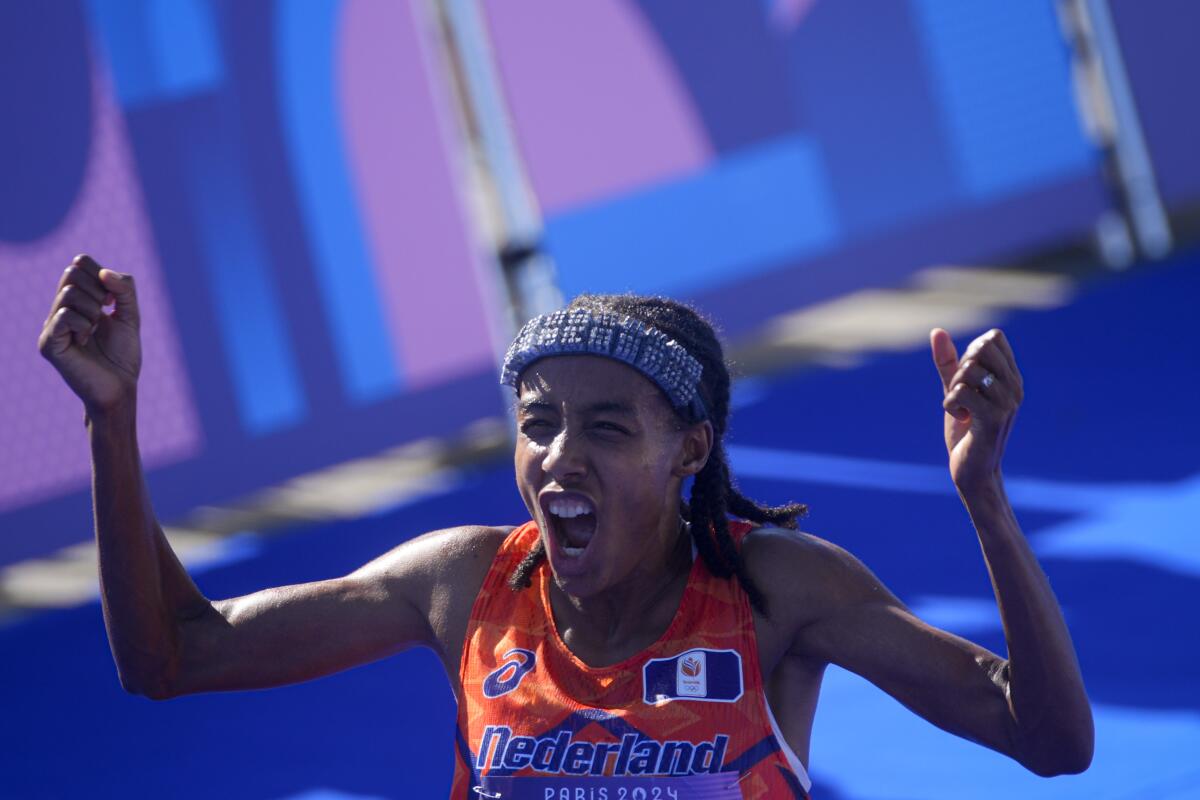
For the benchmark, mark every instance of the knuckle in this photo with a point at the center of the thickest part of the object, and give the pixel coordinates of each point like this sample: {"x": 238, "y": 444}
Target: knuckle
{"x": 79, "y": 300}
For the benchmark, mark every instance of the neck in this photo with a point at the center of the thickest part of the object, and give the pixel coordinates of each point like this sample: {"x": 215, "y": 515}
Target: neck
{"x": 610, "y": 627}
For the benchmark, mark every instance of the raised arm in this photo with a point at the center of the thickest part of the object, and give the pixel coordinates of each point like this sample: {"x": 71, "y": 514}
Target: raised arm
{"x": 1031, "y": 706}
{"x": 166, "y": 637}
{"x": 1046, "y": 696}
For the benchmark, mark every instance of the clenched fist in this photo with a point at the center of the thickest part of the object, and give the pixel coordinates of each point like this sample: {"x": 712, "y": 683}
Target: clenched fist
{"x": 99, "y": 354}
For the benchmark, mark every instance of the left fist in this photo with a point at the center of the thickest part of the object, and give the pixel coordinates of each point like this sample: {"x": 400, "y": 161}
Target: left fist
{"x": 982, "y": 392}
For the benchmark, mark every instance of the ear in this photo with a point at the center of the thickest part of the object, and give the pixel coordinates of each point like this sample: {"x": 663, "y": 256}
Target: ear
{"x": 695, "y": 448}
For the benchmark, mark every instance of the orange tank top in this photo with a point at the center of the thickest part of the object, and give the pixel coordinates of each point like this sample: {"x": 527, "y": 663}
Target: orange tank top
{"x": 686, "y": 717}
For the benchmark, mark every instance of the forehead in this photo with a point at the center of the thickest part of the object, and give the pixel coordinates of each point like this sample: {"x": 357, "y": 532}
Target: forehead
{"x": 587, "y": 379}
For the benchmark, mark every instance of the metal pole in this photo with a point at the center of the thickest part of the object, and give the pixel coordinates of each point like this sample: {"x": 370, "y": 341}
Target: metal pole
{"x": 1112, "y": 117}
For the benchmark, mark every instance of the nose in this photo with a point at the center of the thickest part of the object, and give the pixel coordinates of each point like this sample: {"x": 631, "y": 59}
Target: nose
{"x": 565, "y": 458}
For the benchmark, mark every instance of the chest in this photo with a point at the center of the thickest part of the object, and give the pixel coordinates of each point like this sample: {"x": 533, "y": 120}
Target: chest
{"x": 691, "y": 701}
{"x": 688, "y": 704}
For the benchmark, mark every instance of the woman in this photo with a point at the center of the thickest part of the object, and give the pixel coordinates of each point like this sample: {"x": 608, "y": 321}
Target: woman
{"x": 621, "y": 633}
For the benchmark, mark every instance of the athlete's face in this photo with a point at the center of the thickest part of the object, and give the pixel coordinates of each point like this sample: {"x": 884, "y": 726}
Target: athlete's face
{"x": 600, "y": 459}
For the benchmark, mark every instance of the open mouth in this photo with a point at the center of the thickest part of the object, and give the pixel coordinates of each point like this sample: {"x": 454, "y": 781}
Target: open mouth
{"x": 572, "y": 518}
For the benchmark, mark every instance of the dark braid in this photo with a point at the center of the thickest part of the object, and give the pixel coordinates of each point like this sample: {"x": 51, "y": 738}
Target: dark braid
{"x": 713, "y": 495}
{"x": 521, "y": 577}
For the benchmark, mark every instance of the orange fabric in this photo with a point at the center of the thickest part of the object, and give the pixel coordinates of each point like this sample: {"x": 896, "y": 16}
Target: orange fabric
{"x": 528, "y": 702}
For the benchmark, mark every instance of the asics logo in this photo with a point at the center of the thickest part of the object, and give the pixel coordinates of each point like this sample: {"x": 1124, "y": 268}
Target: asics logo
{"x": 517, "y": 664}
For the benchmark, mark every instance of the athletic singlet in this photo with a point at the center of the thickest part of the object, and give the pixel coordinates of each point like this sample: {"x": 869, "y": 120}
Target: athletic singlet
{"x": 686, "y": 717}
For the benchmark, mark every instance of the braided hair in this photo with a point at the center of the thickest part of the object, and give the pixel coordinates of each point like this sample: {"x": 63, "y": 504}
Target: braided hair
{"x": 714, "y": 496}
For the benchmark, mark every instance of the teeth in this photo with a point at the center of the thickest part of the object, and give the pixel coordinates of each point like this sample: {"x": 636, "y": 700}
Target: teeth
{"x": 573, "y": 551}
{"x": 568, "y": 509}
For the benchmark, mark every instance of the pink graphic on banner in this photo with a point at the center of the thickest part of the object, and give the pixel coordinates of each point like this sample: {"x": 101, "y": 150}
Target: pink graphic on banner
{"x": 43, "y": 444}
{"x": 436, "y": 294}
{"x": 787, "y": 15}
{"x": 598, "y": 106}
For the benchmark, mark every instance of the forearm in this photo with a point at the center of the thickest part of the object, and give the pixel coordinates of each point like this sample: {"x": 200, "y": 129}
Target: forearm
{"x": 144, "y": 590}
{"x": 1048, "y": 704}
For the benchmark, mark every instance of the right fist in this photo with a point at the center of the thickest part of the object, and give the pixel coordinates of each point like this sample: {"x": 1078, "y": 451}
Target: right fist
{"x": 98, "y": 354}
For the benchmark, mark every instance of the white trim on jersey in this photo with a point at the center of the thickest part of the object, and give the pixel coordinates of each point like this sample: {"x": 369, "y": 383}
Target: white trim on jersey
{"x": 792, "y": 759}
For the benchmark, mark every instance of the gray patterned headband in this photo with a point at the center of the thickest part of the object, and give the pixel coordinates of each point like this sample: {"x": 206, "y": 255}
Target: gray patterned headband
{"x": 625, "y": 339}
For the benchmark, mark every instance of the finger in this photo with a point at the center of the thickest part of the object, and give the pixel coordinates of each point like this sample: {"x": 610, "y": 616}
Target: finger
{"x": 964, "y": 402}
{"x": 86, "y": 273}
{"x": 1010, "y": 358}
{"x": 945, "y": 356}
{"x": 971, "y": 372}
{"x": 74, "y": 275}
{"x": 1005, "y": 347}
{"x": 66, "y": 325}
{"x": 992, "y": 350}
{"x": 74, "y": 297}
{"x": 87, "y": 264}
{"x": 993, "y": 360}
{"x": 993, "y": 339}
{"x": 124, "y": 293}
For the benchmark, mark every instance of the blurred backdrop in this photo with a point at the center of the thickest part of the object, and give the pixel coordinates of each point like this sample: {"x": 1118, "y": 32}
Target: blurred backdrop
{"x": 338, "y": 212}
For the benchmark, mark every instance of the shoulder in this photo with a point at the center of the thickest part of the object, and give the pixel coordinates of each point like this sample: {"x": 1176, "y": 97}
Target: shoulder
{"x": 437, "y": 576}
{"x": 805, "y": 576}
{"x": 454, "y": 555}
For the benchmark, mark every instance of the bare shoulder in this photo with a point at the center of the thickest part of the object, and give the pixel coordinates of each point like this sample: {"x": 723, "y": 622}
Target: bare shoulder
{"x": 438, "y": 574}
{"x": 805, "y": 576}
{"x": 452, "y": 555}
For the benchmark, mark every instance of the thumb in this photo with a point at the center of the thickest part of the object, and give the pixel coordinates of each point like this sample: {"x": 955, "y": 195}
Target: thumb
{"x": 123, "y": 291}
{"x": 945, "y": 356}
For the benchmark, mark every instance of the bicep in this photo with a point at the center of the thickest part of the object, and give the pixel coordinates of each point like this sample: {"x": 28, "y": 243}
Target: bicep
{"x": 950, "y": 681}
{"x": 289, "y": 634}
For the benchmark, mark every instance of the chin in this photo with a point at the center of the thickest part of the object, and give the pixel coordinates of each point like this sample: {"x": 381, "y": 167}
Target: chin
{"x": 571, "y": 577}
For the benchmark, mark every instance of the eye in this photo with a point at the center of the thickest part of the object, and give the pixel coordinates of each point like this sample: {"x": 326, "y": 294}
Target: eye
{"x": 609, "y": 427}
{"x": 530, "y": 427}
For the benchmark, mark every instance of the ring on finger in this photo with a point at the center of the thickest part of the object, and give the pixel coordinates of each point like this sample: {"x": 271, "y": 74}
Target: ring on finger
{"x": 987, "y": 381}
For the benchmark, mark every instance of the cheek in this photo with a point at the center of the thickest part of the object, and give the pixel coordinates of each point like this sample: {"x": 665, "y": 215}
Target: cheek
{"x": 527, "y": 466}
{"x": 645, "y": 479}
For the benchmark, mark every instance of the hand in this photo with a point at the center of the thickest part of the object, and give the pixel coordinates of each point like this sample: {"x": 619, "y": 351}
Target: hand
{"x": 98, "y": 354}
{"x": 979, "y": 410}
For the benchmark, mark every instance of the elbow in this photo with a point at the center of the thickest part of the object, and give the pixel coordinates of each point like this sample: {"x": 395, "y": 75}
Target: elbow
{"x": 152, "y": 688}
{"x": 150, "y": 692}
{"x": 1071, "y": 763}
{"x": 157, "y": 693}
{"x": 1069, "y": 752}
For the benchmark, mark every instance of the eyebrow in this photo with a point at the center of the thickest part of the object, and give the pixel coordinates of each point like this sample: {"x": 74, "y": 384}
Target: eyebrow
{"x": 600, "y": 407}
{"x": 527, "y": 406}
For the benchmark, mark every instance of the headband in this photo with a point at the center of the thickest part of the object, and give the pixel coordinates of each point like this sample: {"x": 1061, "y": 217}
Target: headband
{"x": 642, "y": 346}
